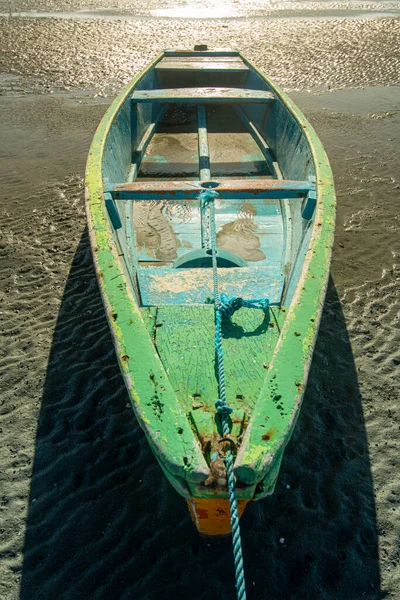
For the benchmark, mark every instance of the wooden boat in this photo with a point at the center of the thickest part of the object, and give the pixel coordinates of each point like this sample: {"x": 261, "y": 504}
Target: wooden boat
{"x": 194, "y": 120}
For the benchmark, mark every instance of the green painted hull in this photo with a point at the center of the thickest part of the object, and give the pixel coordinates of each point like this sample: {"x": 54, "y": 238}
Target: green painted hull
{"x": 166, "y": 352}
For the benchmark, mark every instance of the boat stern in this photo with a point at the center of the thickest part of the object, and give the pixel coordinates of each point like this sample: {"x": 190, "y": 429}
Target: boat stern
{"x": 212, "y": 515}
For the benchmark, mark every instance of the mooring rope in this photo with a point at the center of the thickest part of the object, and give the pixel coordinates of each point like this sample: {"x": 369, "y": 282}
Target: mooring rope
{"x": 224, "y": 308}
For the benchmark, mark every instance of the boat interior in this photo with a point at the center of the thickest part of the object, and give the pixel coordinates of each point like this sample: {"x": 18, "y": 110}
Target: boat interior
{"x": 198, "y": 120}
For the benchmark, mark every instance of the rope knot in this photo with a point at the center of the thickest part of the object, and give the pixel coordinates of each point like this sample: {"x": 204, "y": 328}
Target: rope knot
{"x": 262, "y": 303}
{"x": 228, "y": 305}
{"x": 208, "y": 195}
{"x": 223, "y": 409}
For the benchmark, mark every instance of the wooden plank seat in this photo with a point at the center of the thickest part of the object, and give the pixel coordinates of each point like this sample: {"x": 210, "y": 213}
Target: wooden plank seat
{"x": 227, "y": 190}
{"x": 198, "y": 57}
{"x": 217, "y": 52}
{"x": 208, "y": 64}
{"x": 203, "y": 95}
{"x": 165, "y": 285}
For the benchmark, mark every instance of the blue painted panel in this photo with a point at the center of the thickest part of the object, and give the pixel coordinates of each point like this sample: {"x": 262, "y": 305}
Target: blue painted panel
{"x": 154, "y": 158}
{"x": 309, "y": 208}
{"x": 141, "y": 114}
{"x": 253, "y": 207}
{"x": 252, "y": 229}
{"x": 116, "y": 163}
{"x": 158, "y": 224}
{"x": 117, "y": 151}
{"x": 298, "y": 262}
{"x": 112, "y": 211}
{"x": 293, "y": 154}
{"x": 163, "y": 285}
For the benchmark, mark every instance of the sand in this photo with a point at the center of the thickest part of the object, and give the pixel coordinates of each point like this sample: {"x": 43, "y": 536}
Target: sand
{"x": 86, "y": 511}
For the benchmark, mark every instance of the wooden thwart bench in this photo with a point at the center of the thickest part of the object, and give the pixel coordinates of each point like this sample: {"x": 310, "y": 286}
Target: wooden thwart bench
{"x": 211, "y": 64}
{"x": 227, "y": 190}
{"x": 203, "y": 95}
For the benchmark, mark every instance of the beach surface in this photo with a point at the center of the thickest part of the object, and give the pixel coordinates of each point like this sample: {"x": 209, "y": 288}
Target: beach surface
{"x": 86, "y": 512}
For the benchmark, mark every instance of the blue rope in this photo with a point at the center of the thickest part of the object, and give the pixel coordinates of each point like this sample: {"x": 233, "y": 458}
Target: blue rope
{"x": 224, "y": 309}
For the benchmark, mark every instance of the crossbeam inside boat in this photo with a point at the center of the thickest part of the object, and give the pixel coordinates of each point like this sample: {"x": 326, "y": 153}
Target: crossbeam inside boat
{"x": 204, "y": 152}
{"x": 227, "y": 190}
{"x": 202, "y": 95}
{"x": 204, "y": 167}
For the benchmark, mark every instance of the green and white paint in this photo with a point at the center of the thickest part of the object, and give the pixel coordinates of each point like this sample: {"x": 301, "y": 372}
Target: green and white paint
{"x": 166, "y": 351}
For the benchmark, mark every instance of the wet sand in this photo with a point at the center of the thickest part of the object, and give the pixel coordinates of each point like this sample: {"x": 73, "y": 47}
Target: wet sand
{"x": 50, "y": 55}
{"x": 86, "y": 512}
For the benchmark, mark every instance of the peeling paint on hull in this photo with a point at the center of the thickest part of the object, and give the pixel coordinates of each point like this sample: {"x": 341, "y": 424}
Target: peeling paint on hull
{"x": 154, "y": 398}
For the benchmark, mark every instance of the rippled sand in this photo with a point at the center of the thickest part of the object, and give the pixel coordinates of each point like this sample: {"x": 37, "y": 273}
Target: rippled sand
{"x": 301, "y": 55}
{"x": 86, "y": 512}
{"x": 205, "y": 8}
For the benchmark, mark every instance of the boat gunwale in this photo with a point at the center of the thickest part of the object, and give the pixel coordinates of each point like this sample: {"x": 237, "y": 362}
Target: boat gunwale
{"x": 188, "y": 463}
{"x": 256, "y": 455}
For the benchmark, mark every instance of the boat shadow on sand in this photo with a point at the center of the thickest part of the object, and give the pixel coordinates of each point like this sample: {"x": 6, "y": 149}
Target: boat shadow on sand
{"x": 103, "y": 522}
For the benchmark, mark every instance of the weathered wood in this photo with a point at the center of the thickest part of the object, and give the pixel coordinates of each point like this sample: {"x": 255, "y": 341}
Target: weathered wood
{"x": 276, "y": 171}
{"x": 195, "y": 57}
{"x": 260, "y": 141}
{"x": 310, "y": 205}
{"x": 205, "y": 171}
{"x": 190, "y": 53}
{"x": 149, "y": 314}
{"x": 144, "y": 142}
{"x": 203, "y": 94}
{"x": 233, "y": 189}
{"x": 202, "y": 65}
{"x": 163, "y": 285}
{"x": 252, "y": 229}
{"x": 112, "y": 211}
{"x": 185, "y": 343}
{"x": 204, "y": 153}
